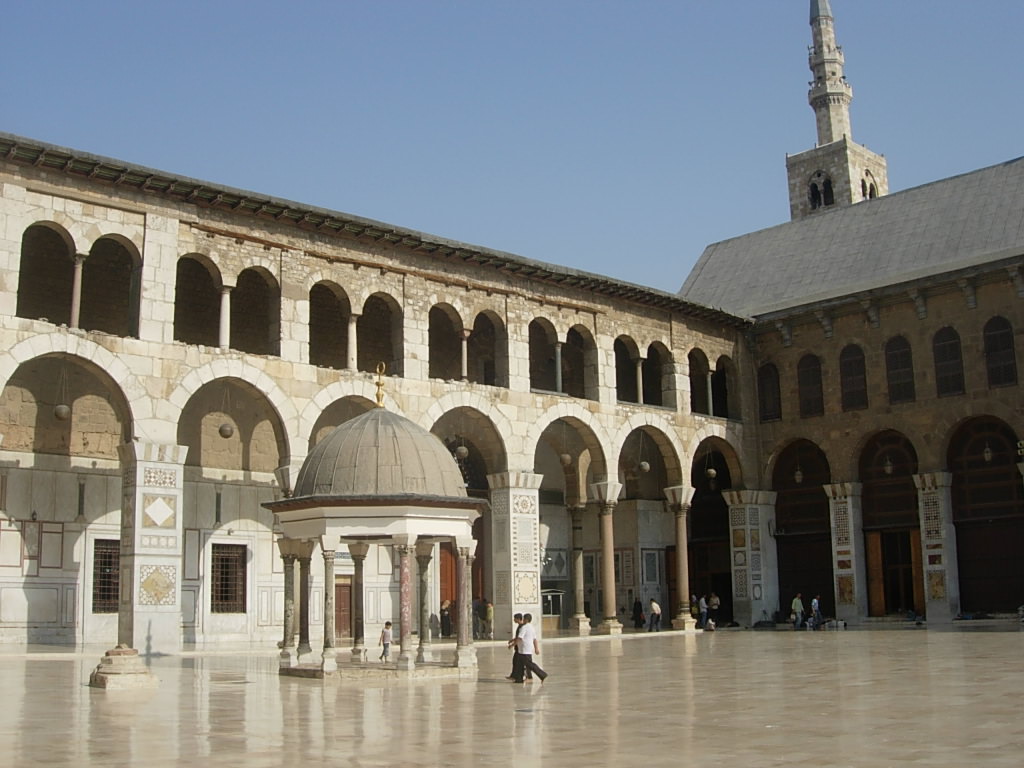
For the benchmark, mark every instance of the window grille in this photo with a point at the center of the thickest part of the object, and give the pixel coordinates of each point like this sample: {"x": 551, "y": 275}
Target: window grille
{"x": 899, "y": 368}
{"x": 949, "y": 365}
{"x": 227, "y": 578}
{"x": 106, "y": 580}
{"x": 853, "y": 378}
{"x": 1000, "y": 360}
{"x": 808, "y": 375}
{"x": 769, "y": 394}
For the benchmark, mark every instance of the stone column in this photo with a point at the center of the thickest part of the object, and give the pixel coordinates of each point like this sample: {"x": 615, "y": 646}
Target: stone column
{"x": 607, "y": 494}
{"x": 424, "y": 553}
{"x": 938, "y": 546}
{"x": 580, "y": 623}
{"x": 353, "y": 342}
{"x": 358, "y": 550}
{"x": 640, "y": 380}
{"x": 679, "y": 497}
{"x": 711, "y": 398}
{"x": 465, "y": 353}
{"x": 76, "y": 290}
{"x": 465, "y": 653}
{"x": 848, "y": 561}
{"x": 405, "y": 551}
{"x": 305, "y": 557}
{"x": 328, "y": 657}
{"x": 755, "y": 571}
{"x": 558, "y": 366}
{"x": 149, "y": 609}
{"x": 288, "y": 556}
{"x": 224, "y": 339}
{"x": 515, "y": 549}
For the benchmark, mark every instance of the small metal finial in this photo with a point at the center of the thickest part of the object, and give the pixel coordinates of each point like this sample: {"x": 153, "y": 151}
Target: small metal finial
{"x": 380, "y": 384}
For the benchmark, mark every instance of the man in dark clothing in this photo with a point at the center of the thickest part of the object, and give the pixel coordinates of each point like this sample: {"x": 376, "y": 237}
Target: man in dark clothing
{"x": 517, "y": 659}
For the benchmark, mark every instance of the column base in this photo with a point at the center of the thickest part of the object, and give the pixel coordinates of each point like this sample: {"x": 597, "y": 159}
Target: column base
{"x": 358, "y": 654}
{"x": 329, "y": 661}
{"x": 465, "y": 656}
{"x": 405, "y": 662}
{"x": 425, "y": 654}
{"x": 288, "y": 658}
{"x": 609, "y": 627}
{"x": 122, "y": 669}
{"x": 683, "y": 621}
{"x": 303, "y": 654}
{"x": 580, "y": 625}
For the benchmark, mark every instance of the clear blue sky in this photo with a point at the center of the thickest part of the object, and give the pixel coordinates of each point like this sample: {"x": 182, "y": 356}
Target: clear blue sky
{"x": 615, "y": 137}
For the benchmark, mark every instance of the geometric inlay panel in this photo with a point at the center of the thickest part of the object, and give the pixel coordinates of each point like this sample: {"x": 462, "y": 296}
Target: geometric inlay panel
{"x": 502, "y": 583}
{"x": 159, "y": 511}
{"x": 932, "y": 516}
{"x": 740, "y": 582}
{"x": 737, "y": 516}
{"x": 527, "y": 591}
{"x": 842, "y": 522}
{"x": 156, "y": 584}
{"x": 160, "y": 478}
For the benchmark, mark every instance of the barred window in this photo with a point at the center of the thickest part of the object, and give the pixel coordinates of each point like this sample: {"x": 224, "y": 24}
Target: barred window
{"x": 853, "y": 378}
{"x": 899, "y": 368}
{"x": 769, "y": 394}
{"x": 808, "y": 381}
{"x": 227, "y": 578}
{"x": 949, "y": 364}
{"x": 106, "y": 581}
{"x": 1000, "y": 360}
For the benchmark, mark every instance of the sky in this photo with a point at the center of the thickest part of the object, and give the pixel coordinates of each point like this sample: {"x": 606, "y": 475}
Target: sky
{"x": 619, "y": 138}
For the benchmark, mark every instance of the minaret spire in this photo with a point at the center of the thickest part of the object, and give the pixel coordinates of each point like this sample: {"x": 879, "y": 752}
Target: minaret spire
{"x": 830, "y": 95}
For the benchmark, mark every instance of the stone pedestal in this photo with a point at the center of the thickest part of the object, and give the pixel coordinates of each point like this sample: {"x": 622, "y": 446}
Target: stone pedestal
{"x": 938, "y": 546}
{"x": 755, "y": 572}
{"x": 848, "y": 562}
{"x": 121, "y": 668}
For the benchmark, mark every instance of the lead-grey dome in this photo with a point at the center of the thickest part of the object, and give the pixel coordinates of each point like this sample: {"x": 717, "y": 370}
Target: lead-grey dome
{"x": 379, "y": 453}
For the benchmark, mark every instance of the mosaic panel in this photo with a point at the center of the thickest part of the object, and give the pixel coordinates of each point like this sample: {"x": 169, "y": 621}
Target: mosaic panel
{"x": 523, "y": 504}
{"x": 527, "y": 587}
{"x": 739, "y": 557}
{"x": 156, "y": 584}
{"x": 160, "y": 478}
{"x": 158, "y": 542}
{"x": 936, "y": 585}
{"x": 737, "y": 516}
{"x": 739, "y": 579}
{"x": 932, "y": 516}
{"x": 756, "y": 592}
{"x": 502, "y": 587}
{"x": 739, "y": 538}
{"x": 755, "y": 562}
{"x": 844, "y": 589}
{"x": 754, "y": 517}
{"x": 755, "y": 539}
{"x": 159, "y": 511}
{"x": 842, "y": 523}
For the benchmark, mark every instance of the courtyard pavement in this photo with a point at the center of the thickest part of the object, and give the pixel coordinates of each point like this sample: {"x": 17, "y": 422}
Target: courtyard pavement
{"x": 742, "y": 698}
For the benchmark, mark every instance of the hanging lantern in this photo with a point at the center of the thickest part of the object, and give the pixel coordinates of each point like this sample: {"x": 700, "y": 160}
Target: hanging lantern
{"x": 798, "y": 476}
{"x": 461, "y": 452}
{"x": 887, "y": 465}
{"x": 566, "y": 460}
{"x": 62, "y": 412}
{"x": 710, "y": 473}
{"x": 645, "y": 467}
{"x": 986, "y": 454}
{"x": 226, "y": 430}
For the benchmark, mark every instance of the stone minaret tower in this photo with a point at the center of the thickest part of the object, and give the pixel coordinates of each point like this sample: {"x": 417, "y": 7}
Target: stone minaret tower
{"x": 837, "y": 171}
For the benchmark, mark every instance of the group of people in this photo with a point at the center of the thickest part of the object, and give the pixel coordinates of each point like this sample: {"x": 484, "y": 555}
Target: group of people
{"x": 652, "y": 619}
{"x": 705, "y": 610}
{"x": 524, "y": 647}
{"x": 814, "y": 619}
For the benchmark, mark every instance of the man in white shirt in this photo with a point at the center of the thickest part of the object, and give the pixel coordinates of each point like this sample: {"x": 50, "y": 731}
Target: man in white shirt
{"x": 528, "y": 646}
{"x": 654, "y": 620}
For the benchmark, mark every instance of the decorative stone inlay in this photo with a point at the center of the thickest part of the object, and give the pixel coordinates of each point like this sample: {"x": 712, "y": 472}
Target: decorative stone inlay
{"x": 754, "y": 517}
{"x": 526, "y": 587}
{"x": 156, "y": 584}
{"x": 502, "y": 587}
{"x": 755, "y": 562}
{"x": 739, "y": 538}
{"x": 159, "y": 542}
{"x": 159, "y": 511}
{"x": 740, "y": 582}
{"x": 739, "y": 558}
{"x": 844, "y": 589}
{"x": 842, "y": 521}
{"x": 737, "y": 516}
{"x": 523, "y": 504}
{"x": 160, "y": 478}
{"x": 756, "y": 592}
{"x": 755, "y": 540}
{"x": 932, "y": 516}
{"x": 936, "y": 585}
{"x": 526, "y": 534}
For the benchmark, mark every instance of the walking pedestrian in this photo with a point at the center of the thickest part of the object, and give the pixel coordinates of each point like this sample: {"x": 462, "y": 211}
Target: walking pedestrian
{"x": 654, "y": 620}
{"x": 517, "y": 659}
{"x": 385, "y": 641}
{"x": 797, "y": 611}
{"x": 528, "y": 647}
{"x": 702, "y": 606}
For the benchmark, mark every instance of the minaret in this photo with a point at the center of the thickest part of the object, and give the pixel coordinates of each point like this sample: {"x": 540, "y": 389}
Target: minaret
{"x": 838, "y": 171}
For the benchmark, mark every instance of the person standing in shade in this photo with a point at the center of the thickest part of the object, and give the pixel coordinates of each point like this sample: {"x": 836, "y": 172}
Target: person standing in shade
{"x": 385, "y": 641}
{"x": 714, "y": 603}
{"x": 702, "y": 606}
{"x": 446, "y": 619}
{"x": 489, "y": 612}
{"x": 517, "y": 660}
{"x": 528, "y": 647}
{"x": 654, "y": 621}
{"x": 797, "y": 611}
{"x": 816, "y": 616}
{"x": 638, "y": 614}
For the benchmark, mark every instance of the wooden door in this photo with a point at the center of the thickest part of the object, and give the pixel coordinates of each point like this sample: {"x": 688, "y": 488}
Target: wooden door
{"x": 343, "y": 608}
{"x": 876, "y": 573}
{"x": 915, "y": 559}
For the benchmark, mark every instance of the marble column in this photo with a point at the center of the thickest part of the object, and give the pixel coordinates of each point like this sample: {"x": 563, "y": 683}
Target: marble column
{"x": 938, "y": 546}
{"x": 755, "y": 572}
{"x": 515, "y": 548}
{"x": 679, "y": 503}
{"x": 465, "y": 354}
{"x": 358, "y": 550}
{"x": 465, "y": 652}
{"x": 224, "y": 337}
{"x": 405, "y": 551}
{"x": 151, "y": 551}
{"x": 606, "y": 494}
{"x": 849, "y": 566}
{"x": 305, "y": 558}
{"x": 288, "y": 557}
{"x": 328, "y": 657}
{"x": 640, "y": 380}
{"x": 76, "y": 290}
{"x": 558, "y": 366}
{"x": 353, "y": 342}
{"x": 424, "y": 554}
{"x": 580, "y": 623}
{"x": 711, "y": 397}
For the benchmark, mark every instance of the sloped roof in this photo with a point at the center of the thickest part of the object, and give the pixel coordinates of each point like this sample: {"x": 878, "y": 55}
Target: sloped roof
{"x": 959, "y": 222}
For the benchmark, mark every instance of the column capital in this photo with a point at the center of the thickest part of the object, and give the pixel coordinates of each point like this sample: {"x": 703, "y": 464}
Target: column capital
{"x": 157, "y": 453}
{"x": 932, "y": 481}
{"x": 679, "y": 494}
{"x": 358, "y": 549}
{"x": 605, "y": 491}
{"x": 736, "y": 498}
{"x": 300, "y": 548}
{"x": 329, "y": 544}
{"x": 836, "y": 491}
{"x": 515, "y": 479}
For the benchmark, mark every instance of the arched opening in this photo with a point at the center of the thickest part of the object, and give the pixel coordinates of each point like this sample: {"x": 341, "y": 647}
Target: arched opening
{"x": 700, "y": 382}
{"x": 827, "y": 196}
{"x": 329, "y": 313}
{"x": 657, "y": 376}
{"x": 724, "y": 389}
{"x": 488, "y": 351}
{"x": 380, "y": 335}
{"x": 808, "y": 381}
{"x": 803, "y": 531}
{"x": 256, "y": 313}
{"x": 769, "y": 395}
{"x": 988, "y": 511}
{"x": 949, "y": 364}
{"x": 853, "y": 378}
{"x": 445, "y": 339}
{"x": 196, "y": 302}
{"x": 579, "y": 364}
{"x": 626, "y": 354}
{"x": 892, "y": 532}
{"x": 110, "y": 289}
{"x": 709, "y": 545}
{"x": 899, "y": 370}
{"x": 46, "y": 275}
{"x": 814, "y": 196}
{"x": 1000, "y": 358}
{"x": 542, "y": 355}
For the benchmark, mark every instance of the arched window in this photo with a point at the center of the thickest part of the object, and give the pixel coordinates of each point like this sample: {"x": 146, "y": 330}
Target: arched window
{"x": 700, "y": 382}
{"x": 1000, "y": 360}
{"x": 864, "y": 189}
{"x": 46, "y": 275}
{"x": 579, "y": 364}
{"x": 657, "y": 385}
{"x": 625, "y": 370}
{"x": 827, "y": 197}
{"x": 949, "y": 365}
{"x": 329, "y": 314}
{"x": 542, "y": 355}
{"x": 196, "y": 302}
{"x": 380, "y": 335}
{"x": 853, "y": 378}
{"x": 488, "y": 351}
{"x": 111, "y": 289}
{"x": 444, "y": 335}
{"x": 769, "y": 396}
{"x": 899, "y": 370}
{"x": 808, "y": 381}
{"x": 815, "y": 196}
{"x": 256, "y": 313}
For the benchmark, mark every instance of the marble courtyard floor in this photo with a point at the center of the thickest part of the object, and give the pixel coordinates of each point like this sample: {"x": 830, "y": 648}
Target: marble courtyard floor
{"x": 854, "y": 698}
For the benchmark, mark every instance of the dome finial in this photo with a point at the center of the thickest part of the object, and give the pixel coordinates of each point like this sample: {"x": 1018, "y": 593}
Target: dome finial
{"x": 380, "y": 384}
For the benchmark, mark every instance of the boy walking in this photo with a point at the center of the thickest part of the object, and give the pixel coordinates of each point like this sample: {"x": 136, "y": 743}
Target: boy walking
{"x": 385, "y": 640}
